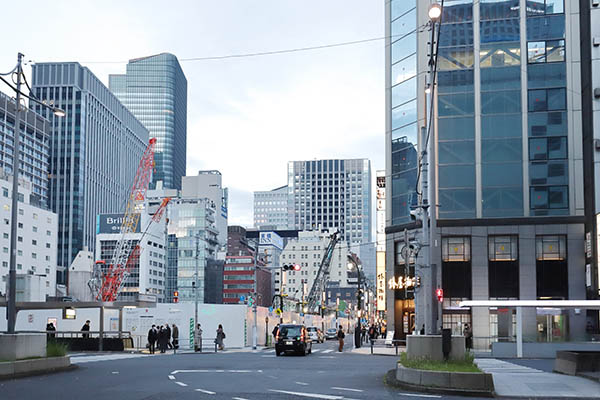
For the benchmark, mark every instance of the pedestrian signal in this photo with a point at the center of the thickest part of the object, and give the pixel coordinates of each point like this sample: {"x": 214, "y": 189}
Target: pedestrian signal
{"x": 175, "y": 296}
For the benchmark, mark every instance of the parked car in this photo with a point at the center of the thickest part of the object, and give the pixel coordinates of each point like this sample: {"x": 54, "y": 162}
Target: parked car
{"x": 293, "y": 338}
{"x": 315, "y": 334}
{"x": 331, "y": 333}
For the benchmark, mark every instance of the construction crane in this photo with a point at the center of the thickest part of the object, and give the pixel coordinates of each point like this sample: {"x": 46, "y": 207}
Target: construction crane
{"x": 106, "y": 284}
{"x": 322, "y": 277}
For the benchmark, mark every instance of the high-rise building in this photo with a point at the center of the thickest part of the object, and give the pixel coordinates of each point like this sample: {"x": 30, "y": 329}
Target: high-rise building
{"x": 505, "y": 167}
{"x": 35, "y": 139}
{"x": 154, "y": 89}
{"x": 270, "y": 209}
{"x": 331, "y": 194}
{"x": 94, "y": 152}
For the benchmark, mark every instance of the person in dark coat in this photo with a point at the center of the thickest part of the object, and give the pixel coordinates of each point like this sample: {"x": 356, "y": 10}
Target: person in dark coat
{"x": 162, "y": 339}
{"x": 50, "y": 328}
{"x": 168, "y": 328}
{"x": 86, "y": 328}
{"x": 341, "y": 336}
{"x": 220, "y": 337}
{"x": 152, "y": 336}
{"x": 175, "y": 337}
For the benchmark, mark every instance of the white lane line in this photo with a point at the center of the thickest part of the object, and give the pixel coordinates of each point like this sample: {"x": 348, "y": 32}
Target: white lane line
{"x": 181, "y": 384}
{"x": 312, "y": 395}
{"x": 316, "y": 351}
{"x": 326, "y": 357}
{"x": 435, "y": 396}
{"x": 327, "y": 351}
{"x": 238, "y": 398}
{"x": 205, "y": 391}
{"x": 348, "y": 389}
{"x": 115, "y": 372}
{"x": 302, "y": 383}
{"x": 268, "y": 356}
{"x": 171, "y": 377}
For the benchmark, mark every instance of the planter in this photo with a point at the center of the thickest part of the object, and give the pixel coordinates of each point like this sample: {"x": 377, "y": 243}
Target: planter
{"x": 13, "y": 369}
{"x": 478, "y": 383}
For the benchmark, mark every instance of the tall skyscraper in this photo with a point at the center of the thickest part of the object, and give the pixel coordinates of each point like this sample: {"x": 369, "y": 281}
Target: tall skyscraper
{"x": 94, "y": 152}
{"x": 506, "y": 171}
{"x": 331, "y": 194}
{"x": 154, "y": 89}
{"x": 270, "y": 208}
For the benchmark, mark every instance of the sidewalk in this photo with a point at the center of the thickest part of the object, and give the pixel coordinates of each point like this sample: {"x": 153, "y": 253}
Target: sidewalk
{"x": 514, "y": 380}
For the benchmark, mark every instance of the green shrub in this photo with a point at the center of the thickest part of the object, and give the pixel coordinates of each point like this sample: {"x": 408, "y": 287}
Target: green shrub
{"x": 463, "y": 365}
{"x": 54, "y": 349}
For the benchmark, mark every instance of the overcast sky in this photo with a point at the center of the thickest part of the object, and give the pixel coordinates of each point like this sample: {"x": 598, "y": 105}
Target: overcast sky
{"x": 246, "y": 116}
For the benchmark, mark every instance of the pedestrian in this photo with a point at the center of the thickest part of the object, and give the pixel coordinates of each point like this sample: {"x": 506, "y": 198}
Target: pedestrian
{"x": 175, "y": 337}
{"x": 220, "y": 337}
{"x": 422, "y": 330}
{"x": 198, "y": 339}
{"x": 169, "y": 345}
{"x": 152, "y": 336}
{"x": 50, "y": 328}
{"x": 275, "y": 332}
{"x": 363, "y": 334}
{"x": 341, "y": 337}
{"x": 468, "y": 337}
{"x": 86, "y": 328}
{"x": 372, "y": 333}
{"x": 162, "y": 339}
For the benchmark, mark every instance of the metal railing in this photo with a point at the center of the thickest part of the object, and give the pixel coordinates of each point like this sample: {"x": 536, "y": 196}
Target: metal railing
{"x": 387, "y": 343}
{"x": 182, "y": 345}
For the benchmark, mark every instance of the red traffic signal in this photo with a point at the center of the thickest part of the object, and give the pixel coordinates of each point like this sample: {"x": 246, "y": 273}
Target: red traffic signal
{"x": 175, "y": 296}
{"x": 291, "y": 267}
{"x": 439, "y": 293}
{"x": 297, "y": 267}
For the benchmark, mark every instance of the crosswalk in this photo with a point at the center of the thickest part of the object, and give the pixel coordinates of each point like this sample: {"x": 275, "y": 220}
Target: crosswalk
{"x": 313, "y": 351}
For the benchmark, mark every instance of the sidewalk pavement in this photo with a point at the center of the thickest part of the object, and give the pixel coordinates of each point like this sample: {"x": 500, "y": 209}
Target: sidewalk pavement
{"x": 514, "y": 380}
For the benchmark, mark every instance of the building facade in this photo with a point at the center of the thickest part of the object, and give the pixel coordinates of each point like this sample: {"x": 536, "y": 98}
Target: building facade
{"x": 36, "y": 242}
{"x": 506, "y": 164}
{"x": 94, "y": 152}
{"x": 331, "y": 194}
{"x": 154, "y": 89}
{"x": 35, "y": 139}
{"x": 270, "y": 209}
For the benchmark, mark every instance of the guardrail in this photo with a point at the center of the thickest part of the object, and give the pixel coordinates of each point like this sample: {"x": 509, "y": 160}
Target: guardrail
{"x": 141, "y": 343}
{"x": 386, "y": 343}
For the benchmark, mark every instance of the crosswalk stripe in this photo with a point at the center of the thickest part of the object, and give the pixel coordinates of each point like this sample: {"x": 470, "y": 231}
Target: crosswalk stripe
{"x": 327, "y": 351}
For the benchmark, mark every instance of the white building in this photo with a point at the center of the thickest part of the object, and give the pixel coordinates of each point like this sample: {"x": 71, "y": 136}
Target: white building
{"x": 36, "y": 239}
{"x": 307, "y": 251}
{"x": 149, "y": 272}
{"x": 208, "y": 184}
{"x": 270, "y": 209}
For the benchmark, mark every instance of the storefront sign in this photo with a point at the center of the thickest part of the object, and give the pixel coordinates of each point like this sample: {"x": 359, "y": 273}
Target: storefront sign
{"x": 402, "y": 282}
{"x": 380, "y": 230}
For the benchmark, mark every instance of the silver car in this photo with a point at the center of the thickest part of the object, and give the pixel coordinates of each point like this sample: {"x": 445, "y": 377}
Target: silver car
{"x": 331, "y": 333}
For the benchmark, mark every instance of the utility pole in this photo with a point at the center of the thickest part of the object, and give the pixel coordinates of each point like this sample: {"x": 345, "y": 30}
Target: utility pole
{"x": 195, "y": 283}
{"x": 255, "y": 298}
{"x": 11, "y": 308}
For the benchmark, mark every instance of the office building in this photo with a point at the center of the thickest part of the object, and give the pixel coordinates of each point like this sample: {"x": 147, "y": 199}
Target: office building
{"x": 154, "y": 89}
{"x": 506, "y": 164}
{"x": 35, "y": 139}
{"x": 208, "y": 184}
{"x": 270, "y": 209}
{"x": 94, "y": 153}
{"x": 36, "y": 242}
{"x": 331, "y": 194}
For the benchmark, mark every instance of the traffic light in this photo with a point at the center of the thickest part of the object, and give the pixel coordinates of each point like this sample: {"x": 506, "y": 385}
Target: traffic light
{"x": 175, "y": 296}
{"x": 439, "y": 293}
{"x": 297, "y": 267}
{"x": 291, "y": 267}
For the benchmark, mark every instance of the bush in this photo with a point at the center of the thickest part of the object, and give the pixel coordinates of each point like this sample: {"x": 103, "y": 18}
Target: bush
{"x": 54, "y": 349}
{"x": 463, "y": 365}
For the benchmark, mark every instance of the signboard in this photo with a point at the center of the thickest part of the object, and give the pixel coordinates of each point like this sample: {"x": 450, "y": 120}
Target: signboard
{"x": 588, "y": 245}
{"x": 111, "y": 223}
{"x": 403, "y": 282}
{"x": 380, "y": 287}
{"x": 380, "y": 245}
{"x": 270, "y": 239}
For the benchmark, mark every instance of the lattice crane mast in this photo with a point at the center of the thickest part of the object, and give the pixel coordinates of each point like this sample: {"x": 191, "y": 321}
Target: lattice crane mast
{"x": 322, "y": 277}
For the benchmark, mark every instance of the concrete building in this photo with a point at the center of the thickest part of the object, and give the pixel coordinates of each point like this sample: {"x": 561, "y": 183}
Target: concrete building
{"x": 271, "y": 209}
{"x": 148, "y": 273}
{"x": 332, "y": 194}
{"x": 35, "y": 139}
{"x": 506, "y": 170}
{"x": 208, "y": 184}
{"x": 94, "y": 152}
{"x": 36, "y": 241}
{"x": 154, "y": 89}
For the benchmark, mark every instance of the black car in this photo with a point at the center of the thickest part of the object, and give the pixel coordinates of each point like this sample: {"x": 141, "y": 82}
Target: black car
{"x": 292, "y": 338}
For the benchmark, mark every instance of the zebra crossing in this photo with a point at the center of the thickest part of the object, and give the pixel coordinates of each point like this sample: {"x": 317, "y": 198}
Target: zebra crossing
{"x": 313, "y": 351}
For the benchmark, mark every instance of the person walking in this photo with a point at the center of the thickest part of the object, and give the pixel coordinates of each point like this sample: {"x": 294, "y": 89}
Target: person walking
{"x": 468, "y": 337}
{"x": 341, "y": 337}
{"x": 86, "y": 328}
{"x": 220, "y": 337}
{"x": 162, "y": 339}
{"x": 152, "y": 336}
{"x": 168, "y": 328}
{"x": 50, "y": 328}
{"x": 198, "y": 339}
{"x": 363, "y": 334}
{"x": 275, "y": 332}
{"x": 175, "y": 337}
{"x": 372, "y": 333}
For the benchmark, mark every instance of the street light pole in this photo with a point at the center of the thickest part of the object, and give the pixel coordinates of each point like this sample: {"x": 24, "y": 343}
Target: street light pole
{"x": 255, "y": 298}
{"x": 196, "y": 282}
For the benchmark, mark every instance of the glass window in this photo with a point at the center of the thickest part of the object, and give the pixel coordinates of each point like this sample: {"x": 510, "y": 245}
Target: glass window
{"x": 543, "y": 28}
{"x": 404, "y": 160}
{"x": 410, "y": 132}
{"x": 550, "y": 247}
{"x": 456, "y": 249}
{"x": 456, "y": 35}
{"x": 452, "y": 176}
{"x": 503, "y": 201}
{"x": 501, "y": 102}
{"x": 498, "y": 9}
{"x": 546, "y": 75}
{"x": 498, "y": 126}
{"x": 537, "y": 100}
{"x": 505, "y": 30}
{"x": 404, "y": 25}
{"x": 456, "y": 128}
{"x": 557, "y": 99}
{"x": 404, "y": 47}
{"x": 536, "y": 52}
{"x": 457, "y": 203}
{"x": 501, "y": 150}
{"x": 455, "y": 81}
{"x": 457, "y": 11}
{"x": 503, "y": 248}
{"x": 404, "y": 92}
{"x": 404, "y": 114}
{"x": 502, "y": 78}
{"x": 541, "y": 7}
{"x": 548, "y": 123}
{"x": 451, "y": 58}
{"x": 404, "y": 69}
{"x": 505, "y": 174}
{"x": 455, "y": 104}
{"x": 548, "y": 173}
{"x": 400, "y": 7}
{"x": 500, "y": 54}
{"x": 456, "y": 152}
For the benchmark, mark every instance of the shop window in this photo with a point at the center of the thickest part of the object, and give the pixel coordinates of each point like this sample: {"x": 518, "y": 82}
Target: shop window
{"x": 456, "y": 267}
{"x": 551, "y": 267}
{"x": 503, "y": 266}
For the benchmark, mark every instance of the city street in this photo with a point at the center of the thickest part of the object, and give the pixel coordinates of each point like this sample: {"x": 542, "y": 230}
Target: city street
{"x": 232, "y": 374}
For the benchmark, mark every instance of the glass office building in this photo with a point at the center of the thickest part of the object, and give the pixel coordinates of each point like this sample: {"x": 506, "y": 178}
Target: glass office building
{"x": 506, "y": 161}
{"x": 154, "y": 89}
{"x": 94, "y": 153}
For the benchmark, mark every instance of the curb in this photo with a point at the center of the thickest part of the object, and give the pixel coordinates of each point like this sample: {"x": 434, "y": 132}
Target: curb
{"x": 11, "y": 370}
{"x": 390, "y": 380}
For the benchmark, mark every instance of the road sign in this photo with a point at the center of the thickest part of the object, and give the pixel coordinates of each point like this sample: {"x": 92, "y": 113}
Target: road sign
{"x": 242, "y": 298}
{"x": 270, "y": 309}
{"x": 278, "y": 311}
{"x": 302, "y": 314}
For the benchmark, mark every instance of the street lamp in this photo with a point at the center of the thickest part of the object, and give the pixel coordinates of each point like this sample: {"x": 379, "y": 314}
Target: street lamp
{"x": 435, "y": 11}
{"x": 12, "y": 272}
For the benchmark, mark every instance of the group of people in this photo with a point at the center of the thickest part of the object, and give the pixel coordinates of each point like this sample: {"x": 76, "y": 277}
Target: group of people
{"x": 373, "y": 332}
{"x": 161, "y": 335}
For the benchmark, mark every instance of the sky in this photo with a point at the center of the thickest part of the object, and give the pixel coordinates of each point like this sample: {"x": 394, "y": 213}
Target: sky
{"x": 247, "y": 117}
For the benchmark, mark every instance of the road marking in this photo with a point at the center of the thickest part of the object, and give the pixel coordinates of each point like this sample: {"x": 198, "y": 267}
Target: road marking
{"x": 171, "y": 377}
{"x": 302, "y": 383}
{"x": 181, "y": 384}
{"x": 218, "y": 371}
{"x": 238, "y": 398}
{"x": 348, "y": 389}
{"x": 205, "y": 391}
{"x": 268, "y": 356}
{"x": 313, "y": 395}
{"x": 326, "y": 357}
{"x": 316, "y": 351}
{"x": 435, "y": 396}
{"x": 115, "y": 372}
{"x": 327, "y": 351}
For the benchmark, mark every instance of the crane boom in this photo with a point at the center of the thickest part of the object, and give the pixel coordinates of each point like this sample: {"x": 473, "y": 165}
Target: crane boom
{"x": 322, "y": 275}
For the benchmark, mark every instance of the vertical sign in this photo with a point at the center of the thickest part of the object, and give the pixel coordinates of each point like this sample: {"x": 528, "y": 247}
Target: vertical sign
{"x": 380, "y": 232}
{"x": 192, "y": 333}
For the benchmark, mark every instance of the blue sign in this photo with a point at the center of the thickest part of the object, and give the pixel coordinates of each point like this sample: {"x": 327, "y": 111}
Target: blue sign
{"x": 270, "y": 309}
{"x": 242, "y": 298}
{"x": 302, "y": 314}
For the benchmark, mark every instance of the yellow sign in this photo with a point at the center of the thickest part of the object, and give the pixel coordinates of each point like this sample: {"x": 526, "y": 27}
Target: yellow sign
{"x": 278, "y": 311}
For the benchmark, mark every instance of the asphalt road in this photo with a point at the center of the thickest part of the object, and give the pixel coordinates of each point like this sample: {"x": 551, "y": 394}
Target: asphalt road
{"x": 234, "y": 375}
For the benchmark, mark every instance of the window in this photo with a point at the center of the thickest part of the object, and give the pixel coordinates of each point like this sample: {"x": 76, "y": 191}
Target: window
{"x": 552, "y": 148}
{"x": 503, "y": 267}
{"x": 21, "y": 212}
{"x": 19, "y": 238}
{"x": 34, "y": 242}
{"x": 20, "y": 225}
{"x": 47, "y": 245}
{"x": 456, "y": 249}
{"x": 551, "y": 267}
{"x": 34, "y": 256}
{"x": 34, "y": 228}
{"x": 545, "y": 7}
{"x": 547, "y": 99}
{"x": 502, "y": 248}
{"x": 48, "y": 233}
